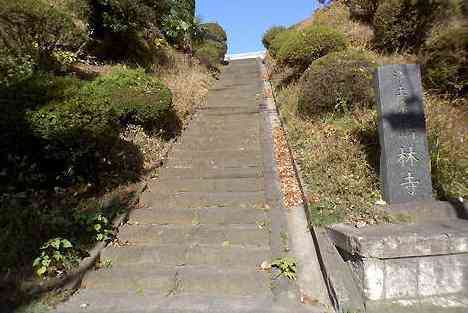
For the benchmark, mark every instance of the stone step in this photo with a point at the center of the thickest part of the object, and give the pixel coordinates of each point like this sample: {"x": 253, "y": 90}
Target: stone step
{"x": 214, "y": 163}
{"x": 167, "y": 186}
{"x": 228, "y": 257}
{"x": 183, "y": 216}
{"x": 215, "y": 173}
{"x": 147, "y": 302}
{"x": 203, "y": 199}
{"x": 179, "y": 154}
{"x": 228, "y": 108}
{"x": 221, "y": 144}
{"x": 220, "y": 132}
{"x": 216, "y": 235}
{"x": 180, "y": 280}
{"x": 213, "y": 139}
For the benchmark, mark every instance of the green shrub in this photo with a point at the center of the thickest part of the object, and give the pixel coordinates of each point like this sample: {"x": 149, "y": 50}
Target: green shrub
{"x": 279, "y": 41}
{"x": 67, "y": 128}
{"x": 339, "y": 81}
{"x": 300, "y": 48}
{"x": 129, "y": 29}
{"x": 270, "y": 35}
{"x": 211, "y": 53}
{"x": 445, "y": 59}
{"x": 134, "y": 96}
{"x": 31, "y": 31}
{"x": 404, "y": 24}
{"x": 213, "y": 31}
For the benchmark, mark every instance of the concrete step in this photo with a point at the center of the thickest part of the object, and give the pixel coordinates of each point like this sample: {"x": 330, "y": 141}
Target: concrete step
{"x": 170, "y": 281}
{"x": 167, "y": 186}
{"x": 225, "y": 144}
{"x": 184, "y": 155}
{"x": 222, "y": 132}
{"x": 231, "y": 256}
{"x": 90, "y": 301}
{"x": 229, "y": 108}
{"x": 203, "y": 200}
{"x": 183, "y": 216}
{"x": 214, "y": 173}
{"x": 152, "y": 235}
{"x": 217, "y": 142}
{"x": 214, "y": 163}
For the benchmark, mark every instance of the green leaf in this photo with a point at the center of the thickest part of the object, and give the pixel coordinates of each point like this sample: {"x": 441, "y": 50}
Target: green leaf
{"x": 66, "y": 244}
{"x": 41, "y": 270}
{"x": 55, "y": 243}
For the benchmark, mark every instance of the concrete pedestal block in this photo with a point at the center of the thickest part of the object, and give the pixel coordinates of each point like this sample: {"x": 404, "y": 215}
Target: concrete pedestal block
{"x": 391, "y": 262}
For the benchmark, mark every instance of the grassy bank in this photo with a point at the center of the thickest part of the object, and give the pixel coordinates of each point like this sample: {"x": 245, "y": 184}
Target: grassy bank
{"x": 331, "y": 117}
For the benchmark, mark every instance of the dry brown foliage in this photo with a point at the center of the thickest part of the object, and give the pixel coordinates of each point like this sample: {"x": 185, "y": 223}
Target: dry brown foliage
{"x": 189, "y": 82}
{"x": 338, "y": 17}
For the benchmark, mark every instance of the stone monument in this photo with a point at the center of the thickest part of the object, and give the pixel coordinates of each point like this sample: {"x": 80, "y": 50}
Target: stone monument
{"x": 405, "y": 162}
{"x": 427, "y": 257}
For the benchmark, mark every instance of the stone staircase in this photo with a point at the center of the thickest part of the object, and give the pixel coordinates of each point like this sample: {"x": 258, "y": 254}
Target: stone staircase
{"x": 205, "y": 228}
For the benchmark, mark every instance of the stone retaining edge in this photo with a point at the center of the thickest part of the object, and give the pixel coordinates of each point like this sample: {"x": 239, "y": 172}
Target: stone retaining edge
{"x": 342, "y": 290}
{"x": 310, "y": 278}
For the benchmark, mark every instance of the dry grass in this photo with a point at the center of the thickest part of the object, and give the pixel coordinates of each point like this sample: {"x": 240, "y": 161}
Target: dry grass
{"x": 337, "y": 16}
{"x": 448, "y": 145}
{"x": 337, "y": 155}
{"x": 189, "y": 82}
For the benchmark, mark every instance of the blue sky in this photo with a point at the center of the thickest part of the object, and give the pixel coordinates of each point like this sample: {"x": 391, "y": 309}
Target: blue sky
{"x": 245, "y": 21}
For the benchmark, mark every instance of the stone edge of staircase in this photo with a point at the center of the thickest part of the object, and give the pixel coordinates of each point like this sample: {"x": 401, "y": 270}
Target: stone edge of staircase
{"x": 341, "y": 289}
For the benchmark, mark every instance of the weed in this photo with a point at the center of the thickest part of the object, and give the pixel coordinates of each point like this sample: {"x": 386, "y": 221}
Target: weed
{"x": 57, "y": 256}
{"x": 287, "y": 267}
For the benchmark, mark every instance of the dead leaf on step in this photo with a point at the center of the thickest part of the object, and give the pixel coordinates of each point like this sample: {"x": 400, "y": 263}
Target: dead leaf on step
{"x": 307, "y": 300}
{"x": 265, "y": 266}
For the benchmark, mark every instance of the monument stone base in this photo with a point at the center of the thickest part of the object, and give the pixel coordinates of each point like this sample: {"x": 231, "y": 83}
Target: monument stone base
{"x": 410, "y": 261}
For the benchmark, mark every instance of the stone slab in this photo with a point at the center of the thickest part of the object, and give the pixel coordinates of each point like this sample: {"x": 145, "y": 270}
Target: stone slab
{"x": 408, "y": 278}
{"x": 204, "y": 200}
{"x": 344, "y": 292}
{"x": 167, "y": 186}
{"x": 405, "y": 163}
{"x": 180, "y": 280}
{"x": 233, "y": 256}
{"x": 189, "y": 216}
{"x": 232, "y": 234}
{"x": 405, "y": 240}
{"x": 455, "y": 303}
{"x": 428, "y": 211}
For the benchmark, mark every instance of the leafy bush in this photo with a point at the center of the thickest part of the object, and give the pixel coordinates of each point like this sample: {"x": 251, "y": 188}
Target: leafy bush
{"x": 66, "y": 128}
{"x": 31, "y": 31}
{"x": 445, "y": 58}
{"x": 57, "y": 256}
{"x": 129, "y": 30}
{"x": 279, "y": 41}
{"x": 134, "y": 96}
{"x": 404, "y": 24}
{"x": 213, "y": 31}
{"x": 270, "y": 35}
{"x": 300, "y": 48}
{"x": 211, "y": 53}
{"x": 339, "y": 81}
